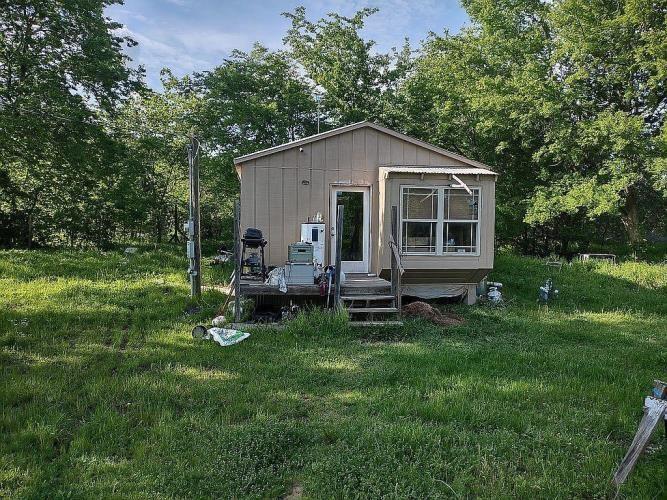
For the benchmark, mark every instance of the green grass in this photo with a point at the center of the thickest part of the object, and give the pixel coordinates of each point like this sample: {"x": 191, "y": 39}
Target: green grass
{"x": 104, "y": 393}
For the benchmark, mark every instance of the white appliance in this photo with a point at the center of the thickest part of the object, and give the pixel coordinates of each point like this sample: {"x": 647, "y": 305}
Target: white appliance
{"x": 314, "y": 233}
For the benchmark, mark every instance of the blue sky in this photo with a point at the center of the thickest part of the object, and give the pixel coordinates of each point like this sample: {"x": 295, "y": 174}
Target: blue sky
{"x": 195, "y": 35}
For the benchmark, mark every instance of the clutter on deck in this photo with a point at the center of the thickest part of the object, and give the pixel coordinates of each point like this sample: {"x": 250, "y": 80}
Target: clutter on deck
{"x": 306, "y": 275}
{"x": 253, "y": 265}
{"x": 655, "y": 411}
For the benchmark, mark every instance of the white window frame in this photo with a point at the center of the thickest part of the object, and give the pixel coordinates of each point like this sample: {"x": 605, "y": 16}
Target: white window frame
{"x": 436, "y": 220}
{"x": 441, "y": 221}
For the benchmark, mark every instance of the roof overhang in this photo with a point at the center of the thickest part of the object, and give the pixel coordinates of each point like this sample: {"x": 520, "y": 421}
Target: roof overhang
{"x": 435, "y": 170}
{"x": 347, "y": 128}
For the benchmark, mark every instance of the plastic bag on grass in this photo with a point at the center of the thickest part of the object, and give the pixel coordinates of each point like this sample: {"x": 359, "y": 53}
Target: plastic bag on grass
{"x": 225, "y": 336}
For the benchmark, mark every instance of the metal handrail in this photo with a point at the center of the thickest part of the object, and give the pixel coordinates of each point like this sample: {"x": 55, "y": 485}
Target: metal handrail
{"x": 396, "y": 264}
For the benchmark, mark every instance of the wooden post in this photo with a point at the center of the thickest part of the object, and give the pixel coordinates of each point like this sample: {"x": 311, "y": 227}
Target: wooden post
{"x": 237, "y": 261}
{"x": 394, "y": 264}
{"x": 339, "y": 249}
{"x": 194, "y": 252}
{"x": 396, "y": 268}
{"x": 654, "y": 411}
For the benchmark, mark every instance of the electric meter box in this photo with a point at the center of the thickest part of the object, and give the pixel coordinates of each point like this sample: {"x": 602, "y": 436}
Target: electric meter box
{"x": 189, "y": 228}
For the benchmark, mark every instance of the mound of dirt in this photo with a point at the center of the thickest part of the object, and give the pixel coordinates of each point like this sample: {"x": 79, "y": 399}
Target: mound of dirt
{"x": 430, "y": 313}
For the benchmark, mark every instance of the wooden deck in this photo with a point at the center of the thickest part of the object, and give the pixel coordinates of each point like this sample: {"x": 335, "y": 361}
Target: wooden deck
{"x": 354, "y": 284}
{"x": 359, "y": 294}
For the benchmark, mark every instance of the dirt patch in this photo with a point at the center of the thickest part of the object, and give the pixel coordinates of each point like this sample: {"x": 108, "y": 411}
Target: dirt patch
{"x": 430, "y": 313}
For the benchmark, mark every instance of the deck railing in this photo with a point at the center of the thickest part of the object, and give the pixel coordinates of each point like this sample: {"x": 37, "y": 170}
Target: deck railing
{"x": 338, "y": 303}
{"x": 396, "y": 265}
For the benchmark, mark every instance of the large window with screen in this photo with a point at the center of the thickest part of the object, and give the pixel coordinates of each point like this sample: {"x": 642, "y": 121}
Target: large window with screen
{"x": 439, "y": 220}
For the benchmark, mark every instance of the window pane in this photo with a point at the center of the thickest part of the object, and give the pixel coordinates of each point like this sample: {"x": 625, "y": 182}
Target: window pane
{"x": 420, "y": 203}
{"x": 419, "y": 237}
{"x": 460, "y": 237}
{"x": 462, "y": 206}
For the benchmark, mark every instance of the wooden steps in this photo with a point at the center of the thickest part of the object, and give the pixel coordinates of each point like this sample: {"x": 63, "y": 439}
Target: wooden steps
{"x": 366, "y": 296}
{"x": 361, "y": 284}
{"x": 349, "y": 298}
{"x": 376, "y": 323}
{"x": 367, "y": 310}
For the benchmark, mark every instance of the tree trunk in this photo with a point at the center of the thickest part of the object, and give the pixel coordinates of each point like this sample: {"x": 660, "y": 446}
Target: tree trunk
{"x": 630, "y": 218}
{"x": 159, "y": 228}
{"x": 524, "y": 241}
{"x": 564, "y": 246}
{"x": 174, "y": 238}
{"x": 30, "y": 231}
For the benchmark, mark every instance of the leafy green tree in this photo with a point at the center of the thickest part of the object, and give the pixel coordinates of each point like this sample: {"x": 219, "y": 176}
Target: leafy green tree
{"x": 251, "y": 101}
{"x": 565, "y": 99}
{"x": 611, "y": 67}
{"x": 151, "y": 195}
{"x": 58, "y": 61}
{"x": 256, "y": 99}
{"x": 356, "y": 80}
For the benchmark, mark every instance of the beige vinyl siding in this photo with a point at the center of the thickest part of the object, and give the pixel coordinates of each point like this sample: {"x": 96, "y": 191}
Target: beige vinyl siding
{"x": 281, "y": 190}
{"x": 248, "y": 196}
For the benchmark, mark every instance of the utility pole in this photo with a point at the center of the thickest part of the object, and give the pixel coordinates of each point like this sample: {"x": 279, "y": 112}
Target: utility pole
{"x": 192, "y": 226}
{"x": 318, "y": 99}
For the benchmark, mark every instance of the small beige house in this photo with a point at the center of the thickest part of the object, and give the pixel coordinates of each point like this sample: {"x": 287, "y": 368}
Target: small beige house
{"x": 445, "y": 202}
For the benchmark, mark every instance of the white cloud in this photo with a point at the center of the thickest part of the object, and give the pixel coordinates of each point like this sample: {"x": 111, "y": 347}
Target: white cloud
{"x": 130, "y": 14}
{"x": 211, "y": 29}
{"x": 211, "y": 41}
{"x": 156, "y": 54}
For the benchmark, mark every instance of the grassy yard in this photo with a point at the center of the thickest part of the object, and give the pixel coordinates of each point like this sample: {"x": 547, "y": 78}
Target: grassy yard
{"x": 104, "y": 392}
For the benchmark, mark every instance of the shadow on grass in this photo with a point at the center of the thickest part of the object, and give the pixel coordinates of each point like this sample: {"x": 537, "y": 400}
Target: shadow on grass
{"x": 107, "y": 395}
{"x": 278, "y": 406}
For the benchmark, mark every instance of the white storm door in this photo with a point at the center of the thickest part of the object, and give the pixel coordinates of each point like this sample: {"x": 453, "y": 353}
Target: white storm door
{"x": 356, "y": 227}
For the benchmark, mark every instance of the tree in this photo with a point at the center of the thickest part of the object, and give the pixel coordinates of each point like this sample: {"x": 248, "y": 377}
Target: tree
{"x": 612, "y": 65}
{"x": 565, "y": 99}
{"x": 355, "y": 79}
{"x": 251, "y": 101}
{"x": 58, "y": 61}
{"x": 153, "y": 188}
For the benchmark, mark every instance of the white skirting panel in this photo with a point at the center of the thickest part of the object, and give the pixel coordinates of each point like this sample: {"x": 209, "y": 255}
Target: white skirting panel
{"x": 433, "y": 291}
